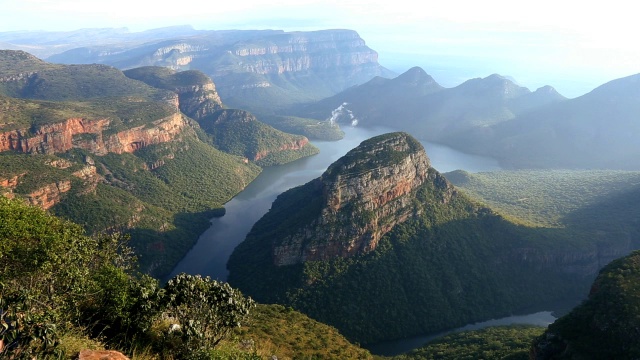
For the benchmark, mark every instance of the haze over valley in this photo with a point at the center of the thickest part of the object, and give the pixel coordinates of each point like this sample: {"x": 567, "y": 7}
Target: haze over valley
{"x": 315, "y": 179}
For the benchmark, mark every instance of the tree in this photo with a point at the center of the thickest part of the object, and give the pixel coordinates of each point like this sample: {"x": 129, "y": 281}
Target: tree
{"x": 204, "y": 310}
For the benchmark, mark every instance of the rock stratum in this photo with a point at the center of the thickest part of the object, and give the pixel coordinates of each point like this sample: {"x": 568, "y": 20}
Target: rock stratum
{"x": 255, "y": 70}
{"x": 368, "y": 189}
{"x": 89, "y": 134}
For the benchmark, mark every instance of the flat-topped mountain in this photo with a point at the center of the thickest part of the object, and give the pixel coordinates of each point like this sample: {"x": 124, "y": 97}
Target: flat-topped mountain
{"x": 382, "y": 246}
{"x": 254, "y": 70}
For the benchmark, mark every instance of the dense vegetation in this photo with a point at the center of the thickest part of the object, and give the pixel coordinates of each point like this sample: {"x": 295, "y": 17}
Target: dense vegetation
{"x": 63, "y": 291}
{"x": 44, "y": 81}
{"x": 57, "y": 281}
{"x": 606, "y": 325}
{"x": 544, "y": 197}
{"x": 493, "y": 343}
{"x": 164, "y": 209}
{"x": 238, "y": 132}
{"x": 451, "y": 264}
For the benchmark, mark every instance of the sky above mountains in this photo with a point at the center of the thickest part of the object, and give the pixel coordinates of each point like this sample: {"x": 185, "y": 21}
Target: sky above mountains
{"x": 571, "y": 46}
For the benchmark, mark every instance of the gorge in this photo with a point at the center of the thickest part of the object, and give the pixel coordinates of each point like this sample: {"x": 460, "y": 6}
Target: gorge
{"x": 210, "y": 254}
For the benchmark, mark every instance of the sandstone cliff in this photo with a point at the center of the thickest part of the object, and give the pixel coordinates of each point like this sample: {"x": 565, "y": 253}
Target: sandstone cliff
{"x": 89, "y": 134}
{"x": 364, "y": 195}
{"x": 197, "y": 95}
{"x": 255, "y": 70}
{"x": 302, "y": 51}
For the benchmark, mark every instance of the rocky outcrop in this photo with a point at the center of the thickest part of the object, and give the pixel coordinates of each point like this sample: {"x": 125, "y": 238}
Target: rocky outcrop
{"x": 199, "y": 101}
{"x": 296, "y": 143}
{"x": 101, "y": 355}
{"x": 301, "y": 51}
{"x": 50, "y": 138}
{"x": 364, "y": 195}
{"x": 89, "y": 134}
{"x": 49, "y": 195}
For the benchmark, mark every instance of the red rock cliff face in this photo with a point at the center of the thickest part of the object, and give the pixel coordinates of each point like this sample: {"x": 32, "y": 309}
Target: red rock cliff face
{"x": 362, "y": 195}
{"x": 49, "y": 195}
{"x": 50, "y": 138}
{"x": 59, "y": 137}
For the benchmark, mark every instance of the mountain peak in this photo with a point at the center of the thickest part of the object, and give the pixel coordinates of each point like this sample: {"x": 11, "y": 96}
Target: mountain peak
{"x": 494, "y": 84}
{"x": 360, "y": 197}
{"x": 416, "y": 76}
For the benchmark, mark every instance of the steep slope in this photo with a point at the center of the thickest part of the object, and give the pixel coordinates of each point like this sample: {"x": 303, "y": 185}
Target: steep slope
{"x": 255, "y": 70}
{"x": 236, "y": 132}
{"x": 382, "y": 246}
{"x": 606, "y": 325}
{"x": 25, "y": 76}
{"x": 596, "y": 130}
{"x": 130, "y": 163}
{"x": 422, "y": 107}
{"x": 87, "y": 290}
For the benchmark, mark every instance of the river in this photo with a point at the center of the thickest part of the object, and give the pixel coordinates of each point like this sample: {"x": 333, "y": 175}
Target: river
{"x": 397, "y": 347}
{"x": 210, "y": 254}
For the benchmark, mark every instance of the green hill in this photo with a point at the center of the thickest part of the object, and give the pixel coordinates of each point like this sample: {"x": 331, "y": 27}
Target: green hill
{"x": 605, "y": 326}
{"x": 117, "y": 156}
{"x": 236, "y": 132}
{"x": 335, "y": 250}
{"x": 25, "y": 76}
{"x": 493, "y": 343}
{"x": 63, "y": 291}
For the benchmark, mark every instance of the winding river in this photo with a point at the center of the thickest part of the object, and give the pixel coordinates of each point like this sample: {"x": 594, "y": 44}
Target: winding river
{"x": 210, "y": 254}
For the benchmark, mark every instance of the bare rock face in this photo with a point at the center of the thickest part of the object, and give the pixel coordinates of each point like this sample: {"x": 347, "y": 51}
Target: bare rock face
{"x": 364, "y": 195}
{"x": 63, "y": 136}
{"x": 101, "y": 355}
{"x": 49, "y": 195}
{"x": 301, "y": 51}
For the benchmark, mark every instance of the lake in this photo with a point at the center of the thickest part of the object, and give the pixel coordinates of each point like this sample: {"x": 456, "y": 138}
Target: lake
{"x": 210, "y": 254}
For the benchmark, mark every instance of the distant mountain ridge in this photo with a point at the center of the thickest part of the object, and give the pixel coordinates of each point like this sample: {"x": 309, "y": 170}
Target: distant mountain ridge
{"x": 255, "y": 70}
{"x": 596, "y": 130}
{"x": 416, "y": 103}
{"x": 495, "y": 117}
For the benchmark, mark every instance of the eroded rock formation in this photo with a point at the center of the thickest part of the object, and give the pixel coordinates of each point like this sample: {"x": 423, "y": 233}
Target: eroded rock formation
{"x": 89, "y": 134}
{"x": 364, "y": 195}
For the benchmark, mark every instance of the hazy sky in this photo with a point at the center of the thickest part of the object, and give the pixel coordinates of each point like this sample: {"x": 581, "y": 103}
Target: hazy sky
{"x": 574, "y": 46}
